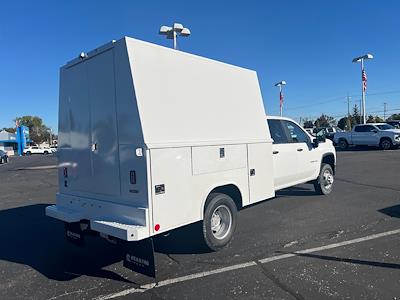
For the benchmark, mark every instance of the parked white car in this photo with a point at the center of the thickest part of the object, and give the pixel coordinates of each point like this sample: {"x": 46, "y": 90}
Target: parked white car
{"x": 36, "y": 150}
{"x": 375, "y": 134}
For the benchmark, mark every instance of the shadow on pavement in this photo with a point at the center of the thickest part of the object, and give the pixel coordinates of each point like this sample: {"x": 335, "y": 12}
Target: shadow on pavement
{"x": 30, "y": 238}
{"x": 391, "y": 211}
{"x": 297, "y": 191}
{"x": 351, "y": 261}
{"x": 184, "y": 240}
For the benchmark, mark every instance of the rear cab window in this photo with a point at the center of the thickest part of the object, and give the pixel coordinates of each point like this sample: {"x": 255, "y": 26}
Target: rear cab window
{"x": 278, "y": 134}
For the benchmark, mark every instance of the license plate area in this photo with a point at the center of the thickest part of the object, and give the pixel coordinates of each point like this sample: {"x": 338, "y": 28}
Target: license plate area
{"x": 74, "y": 233}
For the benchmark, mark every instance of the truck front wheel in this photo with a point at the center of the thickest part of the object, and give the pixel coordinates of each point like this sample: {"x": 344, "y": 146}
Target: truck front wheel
{"x": 220, "y": 217}
{"x": 385, "y": 144}
{"x": 324, "y": 183}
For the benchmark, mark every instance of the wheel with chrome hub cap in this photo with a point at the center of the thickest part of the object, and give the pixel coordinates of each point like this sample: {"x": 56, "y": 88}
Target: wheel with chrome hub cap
{"x": 324, "y": 183}
{"x": 219, "y": 220}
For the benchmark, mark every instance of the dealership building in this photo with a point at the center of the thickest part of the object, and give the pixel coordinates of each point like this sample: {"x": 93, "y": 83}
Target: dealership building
{"x": 14, "y": 143}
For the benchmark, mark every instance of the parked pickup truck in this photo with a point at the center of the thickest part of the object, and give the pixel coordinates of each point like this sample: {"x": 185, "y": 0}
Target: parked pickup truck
{"x": 152, "y": 139}
{"x": 378, "y": 134}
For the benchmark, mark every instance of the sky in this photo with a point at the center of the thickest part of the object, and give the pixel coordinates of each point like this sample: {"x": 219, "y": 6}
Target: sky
{"x": 309, "y": 44}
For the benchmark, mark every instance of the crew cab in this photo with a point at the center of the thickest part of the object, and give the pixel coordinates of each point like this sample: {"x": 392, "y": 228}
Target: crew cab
{"x": 299, "y": 157}
{"x": 381, "y": 135}
{"x": 36, "y": 150}
{"x": 152, "y": 139}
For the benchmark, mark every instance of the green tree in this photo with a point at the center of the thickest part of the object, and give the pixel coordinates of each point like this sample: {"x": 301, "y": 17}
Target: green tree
{"x": 8, "y": 129}
{"x": 345, "y": 123}
{"x": 38, "y": 132}
{"x": 374, "y": 119}
{"x": 394, "y": 117}
{"x": 325, "y": 121}
{"x": 308, "y": 124}
{"x": 356, "y": 117}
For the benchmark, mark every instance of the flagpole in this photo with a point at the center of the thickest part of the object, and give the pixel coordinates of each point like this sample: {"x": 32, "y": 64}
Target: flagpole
{"x": 280, "y": 98}
{"x": 363, "y": 91}
{"x": 280, "y": 84}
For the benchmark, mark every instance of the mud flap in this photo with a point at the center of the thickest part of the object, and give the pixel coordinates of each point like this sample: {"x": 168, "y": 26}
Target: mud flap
{"x": 140, "y": 258}
{"x": 74, "y": 233}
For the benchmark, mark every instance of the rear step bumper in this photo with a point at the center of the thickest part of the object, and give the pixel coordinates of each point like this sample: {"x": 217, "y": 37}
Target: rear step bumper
{"x": 122, "y": 231}
{"x": 120, "y": 221}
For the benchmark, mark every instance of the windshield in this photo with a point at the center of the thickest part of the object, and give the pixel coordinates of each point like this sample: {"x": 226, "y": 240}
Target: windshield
{"x": 385, "y": 127}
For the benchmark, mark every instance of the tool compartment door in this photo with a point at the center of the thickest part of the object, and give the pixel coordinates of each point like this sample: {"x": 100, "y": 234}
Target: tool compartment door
{"x": 104, "y": 144}
{"x": 261, "y": 171}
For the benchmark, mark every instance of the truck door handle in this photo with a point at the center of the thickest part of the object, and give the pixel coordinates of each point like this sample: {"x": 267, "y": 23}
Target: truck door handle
{"x": 300, "y": 149}
{"x": 275, "y": 152}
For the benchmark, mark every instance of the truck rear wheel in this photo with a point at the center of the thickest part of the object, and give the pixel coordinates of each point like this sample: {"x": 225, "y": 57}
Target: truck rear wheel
{"x": 220, "y": 218}
{"x": 343, "y": 145}
{"x": 324, "y": 183}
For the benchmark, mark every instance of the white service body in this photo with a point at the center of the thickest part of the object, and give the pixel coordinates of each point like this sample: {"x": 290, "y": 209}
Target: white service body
{"x": 181, "y": 124}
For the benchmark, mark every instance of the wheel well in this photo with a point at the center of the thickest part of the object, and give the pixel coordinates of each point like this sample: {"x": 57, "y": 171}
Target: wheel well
{"x": 330, "y": 160}
{"x": 342, "y": 139}
{"x": 232, "y": 191}
{"x": 385, "y": 138}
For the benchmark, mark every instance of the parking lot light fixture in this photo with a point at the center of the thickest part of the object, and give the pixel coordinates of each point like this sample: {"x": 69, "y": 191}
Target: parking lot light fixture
{"x": 173, "y": 32}
{"x": 280, "y": 84}
{"x": 361, "y": 59}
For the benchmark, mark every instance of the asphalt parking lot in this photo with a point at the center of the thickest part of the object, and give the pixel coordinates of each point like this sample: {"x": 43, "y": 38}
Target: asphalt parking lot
{"x": 295, "y": 246}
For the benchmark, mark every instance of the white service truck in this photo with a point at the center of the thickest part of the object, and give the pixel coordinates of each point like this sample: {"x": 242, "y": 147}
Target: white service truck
{"x": 152, "y": 139}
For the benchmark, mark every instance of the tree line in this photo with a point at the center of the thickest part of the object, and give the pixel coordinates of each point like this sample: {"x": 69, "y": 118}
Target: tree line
{"x": 347, "y": 122}
{"x": 38, "y": 131}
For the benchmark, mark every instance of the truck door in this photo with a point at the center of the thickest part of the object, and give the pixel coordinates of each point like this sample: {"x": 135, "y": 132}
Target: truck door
{"x": 284, "y": 156}
{"x": 307, "y": 162}
{"x": 365, "y": 135}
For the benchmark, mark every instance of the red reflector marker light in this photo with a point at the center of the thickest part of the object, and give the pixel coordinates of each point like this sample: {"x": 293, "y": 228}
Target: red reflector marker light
{"x": 157, "y": 227}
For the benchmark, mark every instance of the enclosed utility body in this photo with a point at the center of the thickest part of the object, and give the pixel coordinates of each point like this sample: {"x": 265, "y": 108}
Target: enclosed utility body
{"x": 148, "y": 133}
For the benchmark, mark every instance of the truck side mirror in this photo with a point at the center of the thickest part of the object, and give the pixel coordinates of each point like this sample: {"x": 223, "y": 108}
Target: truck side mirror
{"x": 375, "y": 131}
{"x": 315, "y": 143}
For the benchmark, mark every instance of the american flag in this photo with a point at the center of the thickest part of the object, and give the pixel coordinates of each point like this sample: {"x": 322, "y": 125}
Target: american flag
{"x": 280, "y": 99}
{"x": 364, "y": 80}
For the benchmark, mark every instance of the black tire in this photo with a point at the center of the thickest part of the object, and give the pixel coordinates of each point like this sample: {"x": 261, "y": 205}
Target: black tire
{"x": 385, "y": 144}
{"x": 45, "y": 153}
{"x": 343, "y": 145}
{"x": 1, "y": 160}
{"x": 219, "y": 207}
{"x": 28, "y": 153}
{"x": 324, "y": 183}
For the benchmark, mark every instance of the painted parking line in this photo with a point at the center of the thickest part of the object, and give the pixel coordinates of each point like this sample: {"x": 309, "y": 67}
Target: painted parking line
{"x": 166, "y": 282}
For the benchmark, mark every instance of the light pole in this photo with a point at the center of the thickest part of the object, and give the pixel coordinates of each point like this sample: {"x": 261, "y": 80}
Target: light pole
{"x": 280, "y": 84}
{"x": 363, "y": 80}
{"x": 174, "y": 31}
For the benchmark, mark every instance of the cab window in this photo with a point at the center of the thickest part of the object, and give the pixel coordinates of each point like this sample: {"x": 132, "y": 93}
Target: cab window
{"x": 295, "y": 133}
{"x": 277, "y": 132}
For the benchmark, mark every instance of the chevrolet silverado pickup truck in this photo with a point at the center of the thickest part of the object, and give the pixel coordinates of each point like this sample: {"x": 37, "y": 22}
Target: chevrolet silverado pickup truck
{"x": 382, "y": 135}
{"x": 152, "y": 139}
